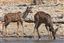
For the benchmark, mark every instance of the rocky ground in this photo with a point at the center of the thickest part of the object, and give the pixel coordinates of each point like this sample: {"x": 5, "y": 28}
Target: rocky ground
{"x": 56, "y": 11}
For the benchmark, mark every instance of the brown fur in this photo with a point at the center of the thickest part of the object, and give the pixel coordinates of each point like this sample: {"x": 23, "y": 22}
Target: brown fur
{"x": 42, "y": 17}
{"x": 13, "y": 17}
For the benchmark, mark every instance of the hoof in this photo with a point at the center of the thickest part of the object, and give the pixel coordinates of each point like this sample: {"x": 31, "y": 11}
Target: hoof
{"x": 54, "y": 38}
{"x": 39, "y": 39}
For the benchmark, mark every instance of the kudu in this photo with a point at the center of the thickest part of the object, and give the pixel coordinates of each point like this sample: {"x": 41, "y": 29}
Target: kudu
{"x": 42, "y": 17}
{"x": 15, "y": 17}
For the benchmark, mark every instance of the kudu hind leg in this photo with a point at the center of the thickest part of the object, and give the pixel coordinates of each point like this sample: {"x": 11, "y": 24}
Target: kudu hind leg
{"x": 3, "y": 30}
{"x": 18, "y": 29}
{"x": 5, "y": 25}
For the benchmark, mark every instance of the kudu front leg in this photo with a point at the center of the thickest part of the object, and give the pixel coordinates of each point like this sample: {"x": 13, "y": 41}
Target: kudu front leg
{"x": 53, "y": 32}
{"x": 5, "y": 28}
{"x": 22, "y": 27}
{"x": 18, "y": 29}
{"x": 37, "y": 24}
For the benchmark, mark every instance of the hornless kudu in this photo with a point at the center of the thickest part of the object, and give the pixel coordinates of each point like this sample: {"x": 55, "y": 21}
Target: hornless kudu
{"x": 12, "y": 17}
{"x": 42, "y": 17}
{"x": 15, "y": 17}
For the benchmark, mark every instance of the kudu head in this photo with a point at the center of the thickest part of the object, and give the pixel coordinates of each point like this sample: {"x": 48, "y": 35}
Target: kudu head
{"x": 28, "y": 10}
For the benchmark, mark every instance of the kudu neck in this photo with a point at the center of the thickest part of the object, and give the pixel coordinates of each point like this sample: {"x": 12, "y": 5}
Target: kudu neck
{"x": 25, "y": 14}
